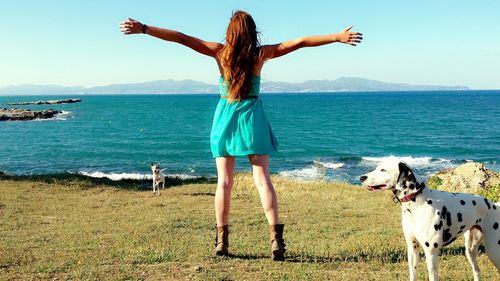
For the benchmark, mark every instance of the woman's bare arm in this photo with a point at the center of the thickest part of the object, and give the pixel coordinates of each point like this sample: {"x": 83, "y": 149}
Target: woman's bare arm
{"x": 281, "y": 49}
{"x": 203, "y": 47}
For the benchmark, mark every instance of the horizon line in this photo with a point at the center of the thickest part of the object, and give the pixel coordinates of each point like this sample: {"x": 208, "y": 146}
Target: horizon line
{"x": 263, "y": 80}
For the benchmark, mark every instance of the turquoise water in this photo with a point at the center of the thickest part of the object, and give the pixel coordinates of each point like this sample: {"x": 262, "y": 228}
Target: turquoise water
{"x": 334, "y": 136}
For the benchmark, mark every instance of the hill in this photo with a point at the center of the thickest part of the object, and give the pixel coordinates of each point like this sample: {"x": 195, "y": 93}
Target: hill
{"x": 344, "y": 84}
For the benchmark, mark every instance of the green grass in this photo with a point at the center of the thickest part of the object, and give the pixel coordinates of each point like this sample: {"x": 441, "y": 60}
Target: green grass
{"x": 492, "y": 193}
{"x": 85, "y": 230}
{"x": 435, "y": 182}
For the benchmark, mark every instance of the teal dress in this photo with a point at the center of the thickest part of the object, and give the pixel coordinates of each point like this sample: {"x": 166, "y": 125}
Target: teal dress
{"x": 241, "y": 128}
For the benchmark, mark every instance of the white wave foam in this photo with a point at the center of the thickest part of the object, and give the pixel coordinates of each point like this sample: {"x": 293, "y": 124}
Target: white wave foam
{"x": 131, "y": 176}
{"x": 412, "y": 161}
{"x": 309, "y": 173}
{"x": 63, "y": 116}
{"x": 117, "y": 176}
{"x": 328, "y": 165}
{"x": 427, "y": 166}
{"x": 182, "y": 176}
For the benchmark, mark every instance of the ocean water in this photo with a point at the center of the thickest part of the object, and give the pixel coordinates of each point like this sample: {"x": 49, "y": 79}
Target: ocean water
{"x": 332, "y": 136}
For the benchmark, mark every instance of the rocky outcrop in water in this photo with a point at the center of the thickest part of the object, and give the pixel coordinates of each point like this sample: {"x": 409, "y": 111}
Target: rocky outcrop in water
{"x": 16, "y": 114}
{"x": 46, "y": 102}
{"x": 470, "y": 177}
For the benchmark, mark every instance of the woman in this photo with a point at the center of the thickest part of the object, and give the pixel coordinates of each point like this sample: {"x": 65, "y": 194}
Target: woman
{"x": 240, "y": 127}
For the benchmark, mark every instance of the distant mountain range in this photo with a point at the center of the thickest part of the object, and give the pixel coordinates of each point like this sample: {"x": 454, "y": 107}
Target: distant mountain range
{"x": 343, "y": 84}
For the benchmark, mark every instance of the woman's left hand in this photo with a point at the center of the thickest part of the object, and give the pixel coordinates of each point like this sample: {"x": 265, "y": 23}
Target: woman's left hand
{"x": 131, "y": 27}
{"x": 347, "y": 37}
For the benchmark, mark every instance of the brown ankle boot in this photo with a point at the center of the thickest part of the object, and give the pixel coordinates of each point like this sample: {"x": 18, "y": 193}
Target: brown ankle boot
{"x": 222, "y": 241}
{"x": 277, "y": 243}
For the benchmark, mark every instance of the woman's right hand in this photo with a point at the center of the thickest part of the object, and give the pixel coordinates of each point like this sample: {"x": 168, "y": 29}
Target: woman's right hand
{"x": 131, "y": 27}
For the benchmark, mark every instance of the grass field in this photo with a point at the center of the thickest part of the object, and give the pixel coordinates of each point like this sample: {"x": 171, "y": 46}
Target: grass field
{"x": 88, "y": 230}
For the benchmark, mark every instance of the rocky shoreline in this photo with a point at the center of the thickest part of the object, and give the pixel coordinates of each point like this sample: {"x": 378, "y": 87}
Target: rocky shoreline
{"x": 470, "y": 177}
{"x": 46, "y": 102}
{"x": 17, "y": 114}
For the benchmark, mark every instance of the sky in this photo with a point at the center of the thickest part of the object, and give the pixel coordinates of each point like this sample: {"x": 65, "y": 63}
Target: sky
{"x": 78, "y": 43}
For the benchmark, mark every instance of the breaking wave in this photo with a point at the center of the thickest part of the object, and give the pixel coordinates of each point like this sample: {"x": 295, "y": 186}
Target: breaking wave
{"x": 328, "y": 165}
{"x": 63, "y": 116}
{"x": 131, "y": 176}
{"x": 318, "y": 170}
{"x": 350, "y": 168}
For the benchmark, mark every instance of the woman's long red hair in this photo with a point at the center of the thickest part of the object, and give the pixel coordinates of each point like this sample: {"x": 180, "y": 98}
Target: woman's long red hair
{"x": 239, "y": 54}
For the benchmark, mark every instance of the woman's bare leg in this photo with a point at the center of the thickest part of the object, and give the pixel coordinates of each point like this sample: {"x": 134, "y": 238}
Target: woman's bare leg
{"x": 260, "y": 168}
{"x": 225, "y": 176}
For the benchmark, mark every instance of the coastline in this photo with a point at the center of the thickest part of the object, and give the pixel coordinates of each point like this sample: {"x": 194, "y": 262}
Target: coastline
{"x": 86, "y": 181}
{"x": 316, "y": 172}
{"x": 471, "y": 177}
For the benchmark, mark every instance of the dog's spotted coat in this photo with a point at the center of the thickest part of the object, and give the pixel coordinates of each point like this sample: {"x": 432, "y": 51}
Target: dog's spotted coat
{"x": 433, "y": 219}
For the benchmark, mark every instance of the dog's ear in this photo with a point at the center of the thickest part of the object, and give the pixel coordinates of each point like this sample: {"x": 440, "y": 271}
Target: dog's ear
{"x": 402, "y": 168}
{"x": 406, "y": 173}
{"x": 152, "y": 164}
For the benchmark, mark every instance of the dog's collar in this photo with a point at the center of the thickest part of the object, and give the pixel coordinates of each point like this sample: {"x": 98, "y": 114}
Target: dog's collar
{"x": 411, "y": 196}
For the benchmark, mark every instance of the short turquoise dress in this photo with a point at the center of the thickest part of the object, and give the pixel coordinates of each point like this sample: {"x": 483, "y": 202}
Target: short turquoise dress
{"x": 241, "y": 128}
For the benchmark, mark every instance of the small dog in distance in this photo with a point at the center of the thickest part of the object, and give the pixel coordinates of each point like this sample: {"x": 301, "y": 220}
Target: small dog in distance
{"x": 158, "y": 177}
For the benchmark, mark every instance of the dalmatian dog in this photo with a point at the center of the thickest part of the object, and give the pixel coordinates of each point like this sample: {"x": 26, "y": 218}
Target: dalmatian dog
{"x": 158, "y": 177}
{"x": 432, "y": 219}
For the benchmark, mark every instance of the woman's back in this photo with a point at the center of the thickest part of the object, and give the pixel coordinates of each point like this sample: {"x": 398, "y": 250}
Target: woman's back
{"x": 253, "y": 91}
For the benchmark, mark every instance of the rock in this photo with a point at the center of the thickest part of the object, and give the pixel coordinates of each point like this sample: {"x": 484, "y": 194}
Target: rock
{"x": 16, "y": 114}
{"x": 470, "y": 177}
{"x": 46, "y": 102}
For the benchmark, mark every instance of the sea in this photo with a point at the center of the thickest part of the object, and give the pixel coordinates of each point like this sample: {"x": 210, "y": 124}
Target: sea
{"x": 322, "y": 136}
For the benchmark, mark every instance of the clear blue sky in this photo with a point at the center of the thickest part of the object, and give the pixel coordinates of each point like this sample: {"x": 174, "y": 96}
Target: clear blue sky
{"x": 420, "y": 42}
